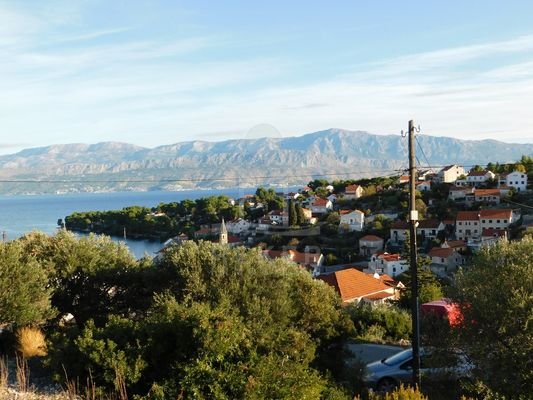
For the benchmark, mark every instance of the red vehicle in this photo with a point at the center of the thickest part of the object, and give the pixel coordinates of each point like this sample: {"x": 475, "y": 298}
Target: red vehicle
{"x": 444, "y": 308}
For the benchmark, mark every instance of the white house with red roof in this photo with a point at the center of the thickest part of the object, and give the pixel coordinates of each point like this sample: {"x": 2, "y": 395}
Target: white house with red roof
{"x": 370, "y": 244}
{"x": 476, "y": 178}
{"x": 445, "y": 260}
{"x": 517, "y": 180}
{"x": 385, "y": 263}
{"x": 321, "y": 206}
{"x": 353, "y": 191}
{"x": 470, "y": 224}
{"x": 354, "y": 286}
{"x": 351, "y": 220}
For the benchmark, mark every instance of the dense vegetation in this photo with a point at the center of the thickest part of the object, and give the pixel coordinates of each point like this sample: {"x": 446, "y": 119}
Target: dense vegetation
{"x": 203, "y": 321}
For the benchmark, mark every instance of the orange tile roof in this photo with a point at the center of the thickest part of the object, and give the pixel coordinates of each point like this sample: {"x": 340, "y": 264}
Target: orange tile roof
{"x": 351, "y": 188}
{"x": 456, "y": 243}
{"x": 352, "y": 284}
{"x": 378, "y": 296}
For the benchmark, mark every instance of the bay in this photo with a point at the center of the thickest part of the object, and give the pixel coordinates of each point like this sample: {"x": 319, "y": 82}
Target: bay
{"x": 23, "y": 214}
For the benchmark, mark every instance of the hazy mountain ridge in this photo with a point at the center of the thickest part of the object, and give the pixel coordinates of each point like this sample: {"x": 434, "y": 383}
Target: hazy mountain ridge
{"x": 292, "y": 160}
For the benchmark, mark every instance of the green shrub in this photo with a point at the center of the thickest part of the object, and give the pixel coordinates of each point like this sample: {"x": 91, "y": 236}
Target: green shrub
{"x": 382, "y": 322}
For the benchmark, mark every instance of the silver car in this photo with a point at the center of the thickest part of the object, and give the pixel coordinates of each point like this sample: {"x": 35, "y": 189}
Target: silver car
{"x": 385, "y": 375}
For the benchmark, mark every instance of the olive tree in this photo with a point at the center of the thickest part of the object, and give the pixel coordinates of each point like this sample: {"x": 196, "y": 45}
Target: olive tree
{"x": 496, "y": 299}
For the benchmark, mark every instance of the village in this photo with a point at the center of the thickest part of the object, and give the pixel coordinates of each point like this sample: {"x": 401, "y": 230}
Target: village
{"x": 353, "y": 235}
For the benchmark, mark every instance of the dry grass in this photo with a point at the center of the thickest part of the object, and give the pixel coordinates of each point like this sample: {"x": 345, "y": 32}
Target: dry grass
{"x": 4, "y": 373}
{"x": 22, "y": 374}
{"x": 31, "y": 342}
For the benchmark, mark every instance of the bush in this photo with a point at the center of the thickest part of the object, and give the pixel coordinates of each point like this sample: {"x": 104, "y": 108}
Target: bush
{"x": 390, "y": 322}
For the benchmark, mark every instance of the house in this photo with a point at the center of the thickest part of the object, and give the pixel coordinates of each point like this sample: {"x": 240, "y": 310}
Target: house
{"x": 385, "y": 263}
{"x": 238, "y": 226}
{"x": 459, "y": 194}
{"x": 354, "y": 286}
{"x": 399, "y": 231}
{"x": 445, "y": 260}
{"x": 424, "y": 186}
{"x": 517, "y": 180}
{"x": 307, "y": 260}
{"x": 467, "y": 225}
{"x": 488, "y": 196}
{"x": 279, "y": 217}
{"x": 404, "y": 179}
{"x": 353, "y": 191}
{"x": 476, "y": 178}
{"x": 351, "y": 220}
{"x": 429, "y": 228}
{"x": 321, "y": 206}
{"x": 370, "y": 244}
{"x": 470, "y": 224}
{"x": 450, "y": 173}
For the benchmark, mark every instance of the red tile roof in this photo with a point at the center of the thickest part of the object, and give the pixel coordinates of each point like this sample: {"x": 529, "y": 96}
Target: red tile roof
{"x": 503, "y": 213}
{"x": 487, "y": 192}
{"x": 494, "y": 233}
{"x": 442, "y": 252}
{"x": 467, "y": 216}
{"x": 352, "y": 284}
{"x": 320, "y": 202}
{"x": 371, "y": 238}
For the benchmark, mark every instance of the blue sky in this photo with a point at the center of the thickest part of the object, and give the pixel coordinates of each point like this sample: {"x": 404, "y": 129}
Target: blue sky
{"x": 160, "y": 72}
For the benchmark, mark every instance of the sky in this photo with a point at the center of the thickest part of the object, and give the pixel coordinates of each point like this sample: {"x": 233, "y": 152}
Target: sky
{"x": 160, "y": 72}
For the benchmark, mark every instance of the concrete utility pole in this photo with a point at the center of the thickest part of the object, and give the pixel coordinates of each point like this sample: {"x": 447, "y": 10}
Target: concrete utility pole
{"x": 413, "y": 222}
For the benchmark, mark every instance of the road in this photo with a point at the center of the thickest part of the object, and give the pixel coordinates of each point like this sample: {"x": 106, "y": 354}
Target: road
{"x": 372, "y": 352}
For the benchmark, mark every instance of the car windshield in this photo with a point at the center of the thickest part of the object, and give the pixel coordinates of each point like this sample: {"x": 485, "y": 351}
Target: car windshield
{"x": 398, "y": 357}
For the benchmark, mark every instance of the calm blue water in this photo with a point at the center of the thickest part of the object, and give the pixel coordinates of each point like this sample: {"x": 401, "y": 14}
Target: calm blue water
{"x": 22, "y": 214}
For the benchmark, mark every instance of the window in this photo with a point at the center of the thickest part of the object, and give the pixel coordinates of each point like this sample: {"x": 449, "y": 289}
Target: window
{"x": 504, "y": 221}
{"x": 490, "y": 221}
{"x": 498, "y": 221}
{"x": 460, "y": 223}
{"x": 442, "y": 259}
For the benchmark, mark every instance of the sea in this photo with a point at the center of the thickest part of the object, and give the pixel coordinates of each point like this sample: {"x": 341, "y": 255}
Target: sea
{"x": 25, "y": 213}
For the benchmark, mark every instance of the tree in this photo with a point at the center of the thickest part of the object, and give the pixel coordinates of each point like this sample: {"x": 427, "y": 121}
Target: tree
{"x": 300, "y": 216}
{"x": 495, "y": 295}
{"x": 429, "y": 288}
{"x": 24, "y": 291}
{"x": 293, "y": 216}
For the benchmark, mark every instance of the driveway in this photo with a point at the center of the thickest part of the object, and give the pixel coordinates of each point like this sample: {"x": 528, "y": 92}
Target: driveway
{"x": 372, "y": 352}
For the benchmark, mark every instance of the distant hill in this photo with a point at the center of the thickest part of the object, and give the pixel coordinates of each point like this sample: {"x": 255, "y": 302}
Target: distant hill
{"x": 334, "y": 153}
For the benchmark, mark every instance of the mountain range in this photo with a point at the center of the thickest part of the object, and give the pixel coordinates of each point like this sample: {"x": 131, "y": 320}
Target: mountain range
{"x": 333, "y": 153}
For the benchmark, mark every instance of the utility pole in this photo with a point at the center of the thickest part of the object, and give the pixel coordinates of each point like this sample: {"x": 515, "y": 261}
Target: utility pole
{"x": 413, "y": 223}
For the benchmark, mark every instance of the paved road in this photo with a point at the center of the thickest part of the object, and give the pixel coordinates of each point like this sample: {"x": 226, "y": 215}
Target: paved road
{"x": 372, "y": 352}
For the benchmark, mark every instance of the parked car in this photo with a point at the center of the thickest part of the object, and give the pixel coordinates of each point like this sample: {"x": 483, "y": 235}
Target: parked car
{"x": 385, "y": 375}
